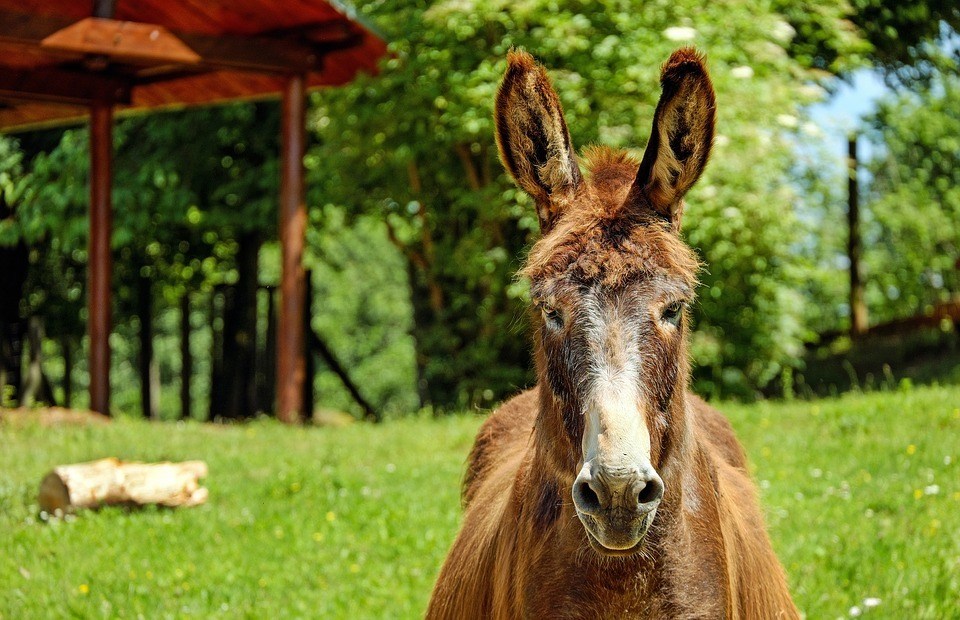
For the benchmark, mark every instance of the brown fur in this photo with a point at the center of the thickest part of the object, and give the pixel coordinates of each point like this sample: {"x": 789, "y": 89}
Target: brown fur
{"x": 522, "y": 552}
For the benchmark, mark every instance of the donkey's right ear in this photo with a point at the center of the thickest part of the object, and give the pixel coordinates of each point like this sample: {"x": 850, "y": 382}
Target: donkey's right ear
{"x": 533, "y": 138}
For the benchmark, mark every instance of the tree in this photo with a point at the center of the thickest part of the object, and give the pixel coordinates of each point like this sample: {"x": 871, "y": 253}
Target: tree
{"x": 914, "y": 198}
{"x": 906, "y": 40}
{"x": 14, "y": 258}
{"x": 416, "y": 147}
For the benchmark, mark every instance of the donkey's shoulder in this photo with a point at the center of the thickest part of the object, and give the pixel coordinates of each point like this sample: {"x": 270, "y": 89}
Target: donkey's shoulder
{"x": 502, "y": 433}
{"x": 714, "y": 427}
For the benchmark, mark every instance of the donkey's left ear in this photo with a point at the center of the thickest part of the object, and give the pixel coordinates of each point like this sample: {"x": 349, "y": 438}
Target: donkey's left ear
{"x": 681, "y": 139}
{"x": 533, "y": 139}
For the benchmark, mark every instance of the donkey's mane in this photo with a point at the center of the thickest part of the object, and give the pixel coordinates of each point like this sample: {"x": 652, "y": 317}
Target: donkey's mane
{"x": 598, "y": 241}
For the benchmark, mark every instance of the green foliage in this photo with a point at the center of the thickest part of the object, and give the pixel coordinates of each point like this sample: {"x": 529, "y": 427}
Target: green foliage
{"x": 13, "y": 181}
{"x": 913, "y": 250}
{"x": 908, "y": 40}
{"x": 416, "y": 147}
{"x": 354, "y": 522}
{"x": 416, "y": 233}
{"x": 362, "y": 311}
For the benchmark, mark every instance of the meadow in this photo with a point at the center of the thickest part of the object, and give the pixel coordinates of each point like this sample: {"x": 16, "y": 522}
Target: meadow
{"x": 861, "y": 492}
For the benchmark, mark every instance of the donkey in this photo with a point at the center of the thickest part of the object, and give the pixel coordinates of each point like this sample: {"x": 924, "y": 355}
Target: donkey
{"x": 609, "y": 491}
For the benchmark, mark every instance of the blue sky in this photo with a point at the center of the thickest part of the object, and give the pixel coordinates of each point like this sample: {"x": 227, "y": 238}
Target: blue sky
{"x": 842, "y": 112}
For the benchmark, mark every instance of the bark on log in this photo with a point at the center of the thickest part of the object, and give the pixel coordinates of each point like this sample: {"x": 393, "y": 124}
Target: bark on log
{"x": 110, "y": 482}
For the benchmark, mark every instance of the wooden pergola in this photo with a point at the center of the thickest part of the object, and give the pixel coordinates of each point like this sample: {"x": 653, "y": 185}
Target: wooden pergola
{"x": 64, "y": 60}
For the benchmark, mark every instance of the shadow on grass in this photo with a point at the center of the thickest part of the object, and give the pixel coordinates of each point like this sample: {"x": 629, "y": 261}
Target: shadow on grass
{"x": 927, "y": 357}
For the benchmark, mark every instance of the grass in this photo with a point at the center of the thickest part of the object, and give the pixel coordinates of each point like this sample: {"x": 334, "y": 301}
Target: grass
{"x": 862, "y": 495}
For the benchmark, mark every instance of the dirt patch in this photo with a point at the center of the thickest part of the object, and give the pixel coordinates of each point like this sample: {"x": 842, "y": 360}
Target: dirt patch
{"x": 332, "y": 418}
{"x": 51, "y": 416}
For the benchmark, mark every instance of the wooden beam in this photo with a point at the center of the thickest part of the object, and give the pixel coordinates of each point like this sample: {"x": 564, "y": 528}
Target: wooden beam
{"x": 255, "y": 54}
{"x": 121, "y": 41}
{"x": 100, "y": 265}
{"x": 291, "y": 363}
{"x": 104, "y": 8}
{"x": 286, "y": 54}
{"x": 59, "y": 86}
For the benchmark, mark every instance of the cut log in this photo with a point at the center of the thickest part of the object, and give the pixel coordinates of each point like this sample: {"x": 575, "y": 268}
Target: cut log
{"x": 111, "y": 482}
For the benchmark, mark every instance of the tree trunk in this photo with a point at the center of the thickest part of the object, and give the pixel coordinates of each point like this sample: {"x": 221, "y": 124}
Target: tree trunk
{"x": 217, "y": 303}
{"x": 13, "y": 275}
{"x": 267, "y": 375}
{"x": 110, "y": 482}
{"x": 859, "y": 320}
{"x": 421, "y": 319}
{"x": 67, "y": 347}
{"x": 240, "y": 332}
{"x": 317, "y": 344}
{"x": 186, "y": 359}
{"x": 149, "y": 373}
{"x": 36, "y": 386}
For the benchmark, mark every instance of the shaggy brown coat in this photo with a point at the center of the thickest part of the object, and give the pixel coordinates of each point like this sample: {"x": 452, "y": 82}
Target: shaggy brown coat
{"x": 522, "y": 552}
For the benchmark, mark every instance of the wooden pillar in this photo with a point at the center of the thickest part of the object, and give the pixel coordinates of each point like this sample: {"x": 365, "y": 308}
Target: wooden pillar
{"x": 291, "y": 363}
{"x": 186, "y": 358}
{"x": 99, "y": 265}
{"x": 858, "y": 305}
{"x": 309, "y": 365}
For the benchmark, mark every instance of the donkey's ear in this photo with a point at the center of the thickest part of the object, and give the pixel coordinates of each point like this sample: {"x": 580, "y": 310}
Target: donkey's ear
{"x": 681, "y": 139}
{"x": 533, "y": 138}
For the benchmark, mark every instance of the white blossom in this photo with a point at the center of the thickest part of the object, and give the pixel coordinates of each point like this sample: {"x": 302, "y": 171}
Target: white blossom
{"x": 814, "y": 92}
{"x": 743, "y": 72}
{"x": 782, "y": 31}
{"x": 871, "y": 602}
{"x": 680, "y": 33}
{"x": 812, "y": 129}
{"x": 788, "y": 120}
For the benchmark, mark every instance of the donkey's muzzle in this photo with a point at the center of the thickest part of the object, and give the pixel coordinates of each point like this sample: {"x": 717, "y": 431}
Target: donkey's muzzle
{"x": 616, "y": 505}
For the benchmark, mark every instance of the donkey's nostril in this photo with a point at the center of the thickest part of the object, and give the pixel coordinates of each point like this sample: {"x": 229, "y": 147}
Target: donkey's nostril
{"x": 651, "y": 492}
{"x": 585, "y": 498}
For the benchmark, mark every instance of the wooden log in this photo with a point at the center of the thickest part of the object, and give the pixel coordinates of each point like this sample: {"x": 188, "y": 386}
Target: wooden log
{"x": 111, "y": 482}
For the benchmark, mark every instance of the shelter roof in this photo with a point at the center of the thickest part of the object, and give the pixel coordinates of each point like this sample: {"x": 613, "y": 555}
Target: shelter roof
{"x": 56, "y": 59}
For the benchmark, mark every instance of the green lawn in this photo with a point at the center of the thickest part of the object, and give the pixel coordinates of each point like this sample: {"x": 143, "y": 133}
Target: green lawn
{"x": 862, "y": 495}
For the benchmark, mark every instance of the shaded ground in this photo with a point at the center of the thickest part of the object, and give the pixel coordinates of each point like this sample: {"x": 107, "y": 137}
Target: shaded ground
{"x": 51, "y": 416}
{"x": 929, "y": 356}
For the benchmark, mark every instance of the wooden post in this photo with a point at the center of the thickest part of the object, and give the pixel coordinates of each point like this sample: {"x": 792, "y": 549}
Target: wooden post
{"x": 858, "y": 307}
{"x": 67, "y": 347}
{"x": 186, "y": 358}
{"x": 291, "y": 364}
{"x": 310, "y": 366}
{"x": 267, "y": 398}
{"x": 149, "y": 372}
{"x": 100, "y": 266}
{"x": 104, "y": 8}
{"x": 216, "y": 396}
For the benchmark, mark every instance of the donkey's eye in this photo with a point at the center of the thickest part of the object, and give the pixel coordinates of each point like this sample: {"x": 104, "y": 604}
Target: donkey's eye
{"x": 552, "y": 317}
{"x": 671, "y": 314}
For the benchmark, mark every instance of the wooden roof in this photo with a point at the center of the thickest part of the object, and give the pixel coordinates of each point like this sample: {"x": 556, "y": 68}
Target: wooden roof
{"x": 56, "y": 58}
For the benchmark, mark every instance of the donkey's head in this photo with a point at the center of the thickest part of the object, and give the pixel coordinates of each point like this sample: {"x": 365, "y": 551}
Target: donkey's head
{"x": 611, "y": 280}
